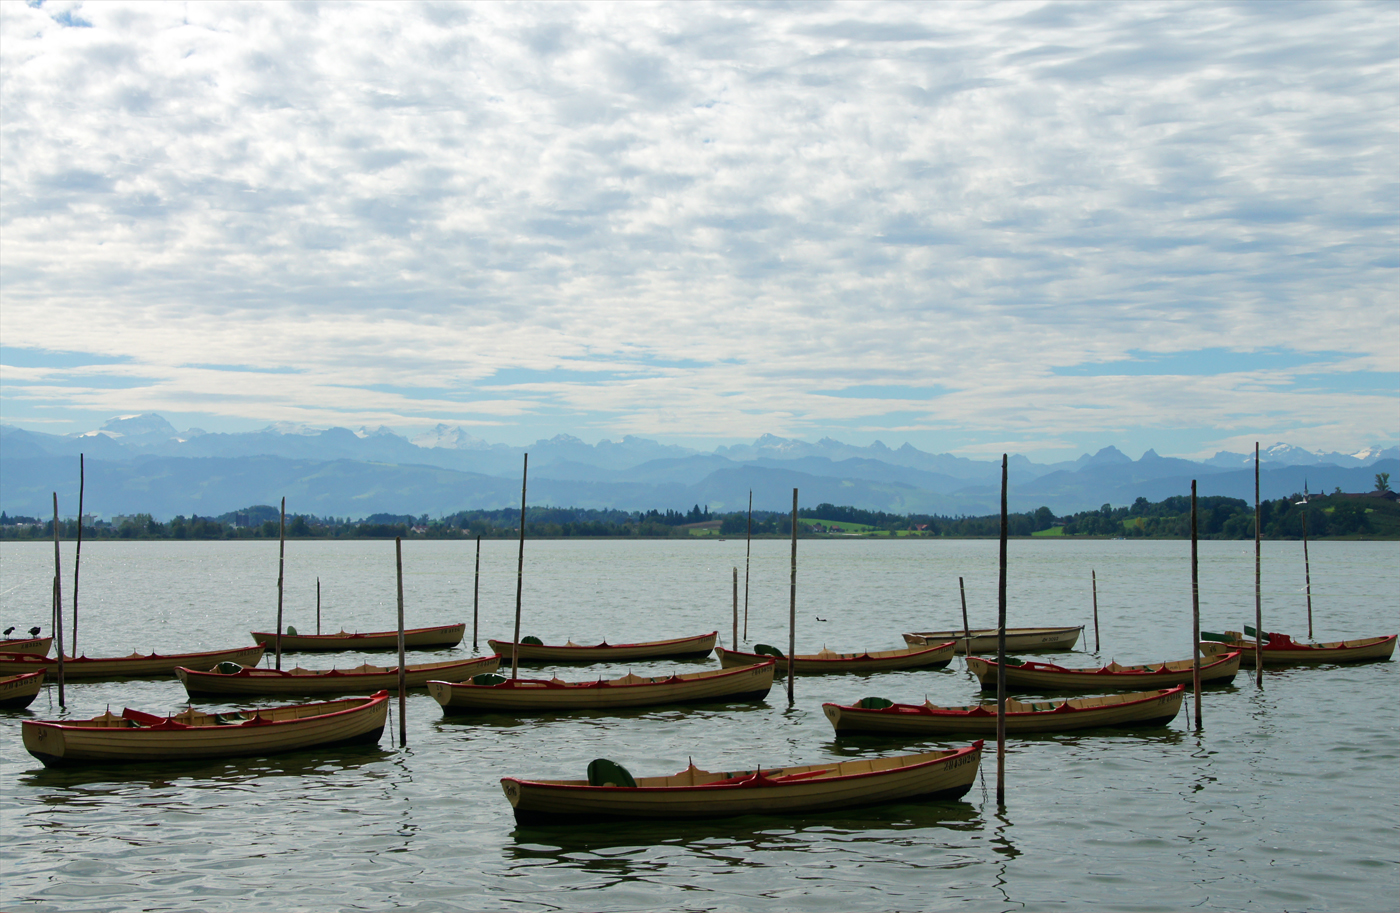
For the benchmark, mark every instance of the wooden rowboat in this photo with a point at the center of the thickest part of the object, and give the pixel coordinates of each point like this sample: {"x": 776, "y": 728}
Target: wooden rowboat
{"x": 935, "y": 656}
{"x": 1148, "y": 708}
{"x": 750, "y": 683}
{"x": 418, "y": 638}
{"x": 361, "y": 679}
{"x": 1282, "y": 650}
{"x": 134, "y": 736}
{"x": 33, "y": 646}
{"x": 19, "y": 691}
{"x": 680, "y": 648}
{"x": 136, "y": 665}
{"x": 1050, "y": 677}
{"x": 696, "y": 793}
{"x": 1018, "y": 640}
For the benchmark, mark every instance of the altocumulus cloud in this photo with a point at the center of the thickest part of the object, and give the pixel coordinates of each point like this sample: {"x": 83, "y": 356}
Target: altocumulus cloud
{"x": 969, "y": 226}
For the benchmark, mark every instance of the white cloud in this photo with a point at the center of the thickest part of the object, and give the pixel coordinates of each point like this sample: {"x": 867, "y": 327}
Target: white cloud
{"x": 695, "y": 216}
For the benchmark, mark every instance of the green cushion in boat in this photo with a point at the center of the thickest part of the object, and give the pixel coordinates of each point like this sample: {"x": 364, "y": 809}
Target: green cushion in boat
{"x": 767, "y": 650}
{"x": 1218, "y": 638}
{"x": 488, "y": 678}
{"x": 874, "y": 703}
{"x": 602, "y": 772}
{"x": 227, "y": 668}
{"x": 291, "y": 630}
{"x": 532, "y": 639}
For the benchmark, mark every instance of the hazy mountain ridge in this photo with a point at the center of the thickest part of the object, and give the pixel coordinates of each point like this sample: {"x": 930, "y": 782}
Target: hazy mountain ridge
{"x": 141, "y": 463}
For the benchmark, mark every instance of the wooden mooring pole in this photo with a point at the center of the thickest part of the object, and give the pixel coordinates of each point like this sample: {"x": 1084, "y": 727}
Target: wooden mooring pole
{"x": 281, "y": 566}
{"x": 967, "y": 631}
{"x": 58, "y": 600}
{"x": 1259, "y": 597}
{"x": 1195, "y": 612}
{"x": 318, "y": 605}
{"x": 1094, "y": 579}
{"x": 736, "y": 609}
{"x": 1001, "y": 649}
{"x": 403, "y": 679}
{"x": 1307, "y": 569}
{"x": 792, "y": 601}
{"x": 748, "y": 552}
{"x": 77, "y": 555}
{"x": 476, "y": 595}
{"x": 519, "y": 574}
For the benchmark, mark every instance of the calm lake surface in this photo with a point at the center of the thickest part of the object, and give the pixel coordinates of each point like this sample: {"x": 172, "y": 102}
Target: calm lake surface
{"x": 1289, "y": 799}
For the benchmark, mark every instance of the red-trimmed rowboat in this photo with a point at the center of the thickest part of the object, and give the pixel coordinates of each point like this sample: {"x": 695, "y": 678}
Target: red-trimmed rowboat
{"x": 1150, "y": 708}
{"x": 134, "y": 736}
{"x": 137, "y": 665}
{"x": 1215, "y": 670}
{"x": 417, "y": 638}
{"x": 696, "y": 793}
{"x": 1282, "y": 650}
{"x": 19, "y": 691}
{"x": 680, "y": 648}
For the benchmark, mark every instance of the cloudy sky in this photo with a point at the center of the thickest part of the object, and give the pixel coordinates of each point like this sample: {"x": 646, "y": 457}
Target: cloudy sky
{"x": 974, "y": 227}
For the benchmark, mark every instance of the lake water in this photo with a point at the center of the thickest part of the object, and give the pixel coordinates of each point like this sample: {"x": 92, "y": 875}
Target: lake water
{"x": 1289, "y": 799}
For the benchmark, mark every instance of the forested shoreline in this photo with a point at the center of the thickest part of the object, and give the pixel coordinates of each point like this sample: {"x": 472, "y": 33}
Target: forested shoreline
{"x": 1373, "y": 515}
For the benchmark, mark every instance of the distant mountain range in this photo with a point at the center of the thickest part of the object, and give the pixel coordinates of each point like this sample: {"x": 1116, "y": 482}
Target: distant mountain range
{"x": 142, "y": 464}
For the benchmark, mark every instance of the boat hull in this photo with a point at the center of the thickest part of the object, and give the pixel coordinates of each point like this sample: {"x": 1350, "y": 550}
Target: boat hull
{"x": 1018, "y": 640}
{"x": 34, "y": 646}
{"x": 136, "y": 738}
{"x": 303, "y": 681}
{"x": 1362, "y": 650}
{"x": 680, "y": 648}
{"x": 19, "y": 691}
{"x": 1146, "y": 709}
{"x": 695, "y": 793}
{"x": 1215, "y": 670}
{"x": 933, "y": 656}
{"x": 750, "y": 683}
{"x": 134, "y": 666}
{"x": 416, "y": 638}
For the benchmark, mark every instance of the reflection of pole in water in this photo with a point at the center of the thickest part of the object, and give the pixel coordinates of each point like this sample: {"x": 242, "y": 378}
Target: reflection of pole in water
{"x": 1003, "y": 847}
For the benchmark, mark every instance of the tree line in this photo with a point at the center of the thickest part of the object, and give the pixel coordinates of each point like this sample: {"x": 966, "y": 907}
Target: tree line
{"x": 1217, "y": 518}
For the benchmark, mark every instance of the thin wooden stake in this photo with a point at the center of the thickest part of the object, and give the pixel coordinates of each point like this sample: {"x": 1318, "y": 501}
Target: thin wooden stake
{"x": 748, "y": 550}
{"x": 78, "y": 555}
{"x": 1001, "y": 649}
{"x": 476, "y": 595}
{"x": 792, "y": 601}
{"x": 1259, "y": 598}
{"x": 403, "y": 681}
{"x": 1195, "y": 612}
{"x": 318, "y": 605}
{"x": 1307, "y": 569}
{"x": 519, "y": 575}
{"x": 967, "y": 631}
{"x": 57, "y": 600}
{"x": 281, "y": 567}
{"x": 1094, "y": 578}
{"x": 736, "y": 609}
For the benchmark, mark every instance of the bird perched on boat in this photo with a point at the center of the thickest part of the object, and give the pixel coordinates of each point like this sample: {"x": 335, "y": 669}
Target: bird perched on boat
{"x": 9, "y": 630}
{"x": 34, "y": 631}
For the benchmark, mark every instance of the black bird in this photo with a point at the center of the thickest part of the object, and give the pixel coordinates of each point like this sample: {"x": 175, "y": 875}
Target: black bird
{"x": 34, "y": 632}
{"x": 819, "y": 618}
{"x": 8, "y": 630}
